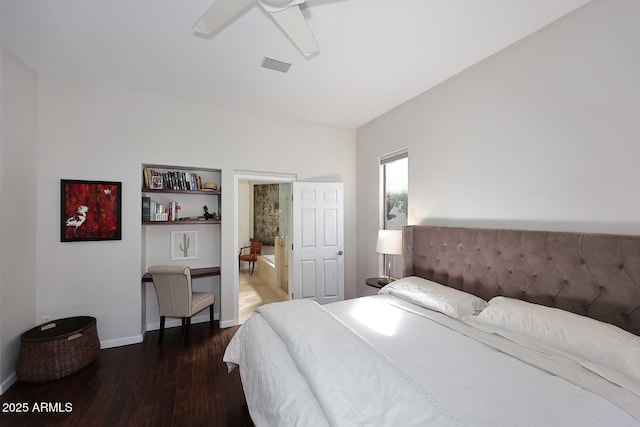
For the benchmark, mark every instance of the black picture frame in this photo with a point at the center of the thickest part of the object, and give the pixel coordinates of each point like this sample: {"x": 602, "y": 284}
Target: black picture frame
{"x": 90, "y": 210}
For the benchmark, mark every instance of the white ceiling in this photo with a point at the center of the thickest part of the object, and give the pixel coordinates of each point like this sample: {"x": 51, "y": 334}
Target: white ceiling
{"x": 374, "y": 54}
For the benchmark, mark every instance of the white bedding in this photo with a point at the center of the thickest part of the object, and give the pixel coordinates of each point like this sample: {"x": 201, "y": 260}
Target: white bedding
{"x": 451, "y": 378}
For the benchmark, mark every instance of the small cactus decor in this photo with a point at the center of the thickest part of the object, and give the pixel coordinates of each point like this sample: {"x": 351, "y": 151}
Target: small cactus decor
{"x": 184, "y": 245}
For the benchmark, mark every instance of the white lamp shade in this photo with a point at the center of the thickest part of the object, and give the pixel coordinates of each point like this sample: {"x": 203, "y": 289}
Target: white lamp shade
{"x": 389, "y": 242}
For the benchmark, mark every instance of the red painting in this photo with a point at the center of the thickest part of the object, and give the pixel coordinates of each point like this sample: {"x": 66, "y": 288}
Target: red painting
{"x": 90, "y": 210}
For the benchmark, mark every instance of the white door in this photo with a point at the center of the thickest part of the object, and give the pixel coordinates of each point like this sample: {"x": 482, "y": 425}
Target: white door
{"x": 318, "y": 241}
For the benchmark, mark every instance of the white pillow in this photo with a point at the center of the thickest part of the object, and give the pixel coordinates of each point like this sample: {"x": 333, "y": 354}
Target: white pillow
{"x": 434, "y": 296}
{"x": 600, "y": 347}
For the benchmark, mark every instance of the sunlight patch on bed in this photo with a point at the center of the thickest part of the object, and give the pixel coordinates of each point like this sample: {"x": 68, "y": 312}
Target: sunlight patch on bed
{"x": 376, "y": 316}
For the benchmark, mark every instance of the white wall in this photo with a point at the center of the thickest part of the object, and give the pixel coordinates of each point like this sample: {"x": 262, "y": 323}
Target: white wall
{"x": 17, "y": 208}
{"x": 245, "y": 213}
{"x": 543, "y": 135}
{"x": 92, "y": 133}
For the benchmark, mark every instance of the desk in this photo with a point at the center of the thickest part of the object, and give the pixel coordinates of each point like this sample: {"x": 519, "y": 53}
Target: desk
{"x": 195, "y": 273}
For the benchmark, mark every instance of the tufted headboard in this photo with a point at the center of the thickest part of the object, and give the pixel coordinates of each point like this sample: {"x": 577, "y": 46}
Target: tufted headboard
{"x": 596, "y": 275}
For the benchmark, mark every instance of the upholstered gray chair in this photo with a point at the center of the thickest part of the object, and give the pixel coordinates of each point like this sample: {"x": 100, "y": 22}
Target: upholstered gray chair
{"x": 176, "y": 298}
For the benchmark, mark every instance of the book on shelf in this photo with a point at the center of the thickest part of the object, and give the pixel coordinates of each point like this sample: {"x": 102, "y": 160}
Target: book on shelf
{"x": 173, "y": 180}
{"x": 146, "y": 209}
{"x": 174, "y": 211}
{"x": 160, "y": 211}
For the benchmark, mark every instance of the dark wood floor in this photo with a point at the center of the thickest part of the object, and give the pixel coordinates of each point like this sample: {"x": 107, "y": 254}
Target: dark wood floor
{"x": 144, "y": 385}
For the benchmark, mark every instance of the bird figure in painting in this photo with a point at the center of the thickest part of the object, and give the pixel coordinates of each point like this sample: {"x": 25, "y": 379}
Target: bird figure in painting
{"x": 79, "y": 218}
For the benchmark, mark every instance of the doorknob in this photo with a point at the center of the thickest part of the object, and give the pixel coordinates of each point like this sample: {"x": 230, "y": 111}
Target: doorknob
{"x": 339, "y": 253}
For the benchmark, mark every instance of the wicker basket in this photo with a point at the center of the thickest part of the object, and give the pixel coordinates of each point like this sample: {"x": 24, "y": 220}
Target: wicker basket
{"x": 58, "y": 348}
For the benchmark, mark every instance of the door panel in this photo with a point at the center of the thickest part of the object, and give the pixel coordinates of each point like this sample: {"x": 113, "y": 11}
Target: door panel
{"x": 318, "y": 241}
{"x": 330, "y": 228}
{"x": 308, "y": 278}
{"x": 330, "y": 195}
{"x": 330, "y": 278}
{"x": 307, "y": 195}
{"x": 308, "y": 228}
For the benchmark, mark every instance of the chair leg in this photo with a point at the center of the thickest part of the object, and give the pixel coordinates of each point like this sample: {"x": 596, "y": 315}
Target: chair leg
{"x": 211, "y": 316}
{"x": 253, "y": 266}
{"x": 186, "y": 332}
{"x": 184, "y": 322}
{"x": 161, "y": 334}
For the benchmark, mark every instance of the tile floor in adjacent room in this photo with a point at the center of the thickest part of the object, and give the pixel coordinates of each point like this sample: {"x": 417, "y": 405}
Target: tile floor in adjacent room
{"x": 253, "y": 293}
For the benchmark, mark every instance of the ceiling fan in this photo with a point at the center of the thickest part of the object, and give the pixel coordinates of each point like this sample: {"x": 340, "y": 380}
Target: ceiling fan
{"x": 285, "y": 13}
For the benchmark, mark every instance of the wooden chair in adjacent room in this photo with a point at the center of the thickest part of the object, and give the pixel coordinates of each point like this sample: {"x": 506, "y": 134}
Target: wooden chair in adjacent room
{"x": 176, "y": 297}
{"x": 255, "y": 250}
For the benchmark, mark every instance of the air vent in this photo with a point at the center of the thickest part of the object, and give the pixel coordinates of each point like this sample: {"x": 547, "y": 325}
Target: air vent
{"x": 275, "y": 65}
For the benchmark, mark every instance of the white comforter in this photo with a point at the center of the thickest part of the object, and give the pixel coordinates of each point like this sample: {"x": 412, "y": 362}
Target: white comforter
{"x": 301, "y": 366}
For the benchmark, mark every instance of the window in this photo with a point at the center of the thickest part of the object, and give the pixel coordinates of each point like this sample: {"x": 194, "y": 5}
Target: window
{"x": 394, "y": 170}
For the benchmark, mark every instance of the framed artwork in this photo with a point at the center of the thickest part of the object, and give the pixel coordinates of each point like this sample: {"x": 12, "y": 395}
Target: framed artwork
{"x": 156, "y": 182}
{"x": 184, "y": 245}
{"x": 90, "y": 210}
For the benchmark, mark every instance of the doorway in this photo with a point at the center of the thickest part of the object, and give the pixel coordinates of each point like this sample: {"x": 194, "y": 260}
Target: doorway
{"x": 262, "y": 213}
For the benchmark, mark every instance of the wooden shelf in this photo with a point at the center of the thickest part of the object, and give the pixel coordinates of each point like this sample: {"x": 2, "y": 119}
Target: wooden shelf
{"x": 189, "y": 192}
{"x": 162, "y": 190}
{"x": 203, "y": 222}
{"x": 195, "y": 273}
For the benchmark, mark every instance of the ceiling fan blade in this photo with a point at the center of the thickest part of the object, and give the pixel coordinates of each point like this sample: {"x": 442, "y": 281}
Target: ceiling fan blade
{"x": 273, "y": 5}
{"x": 292, "y": 22}
{"x": 220, "y": 14}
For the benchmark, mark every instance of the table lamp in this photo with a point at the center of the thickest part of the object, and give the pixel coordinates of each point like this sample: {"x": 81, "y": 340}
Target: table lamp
{"x": 389, "y": 243}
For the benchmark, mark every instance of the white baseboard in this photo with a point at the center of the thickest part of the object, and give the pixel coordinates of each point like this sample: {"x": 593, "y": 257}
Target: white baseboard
{"x": 228, "y": 323}
{"x": 119, "y": 342}
{"x": 172, "y": 323}
{"x": 8, "y": 382}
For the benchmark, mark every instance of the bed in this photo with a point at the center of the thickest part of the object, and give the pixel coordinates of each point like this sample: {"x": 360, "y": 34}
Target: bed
{"x": 488, "y": 328}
